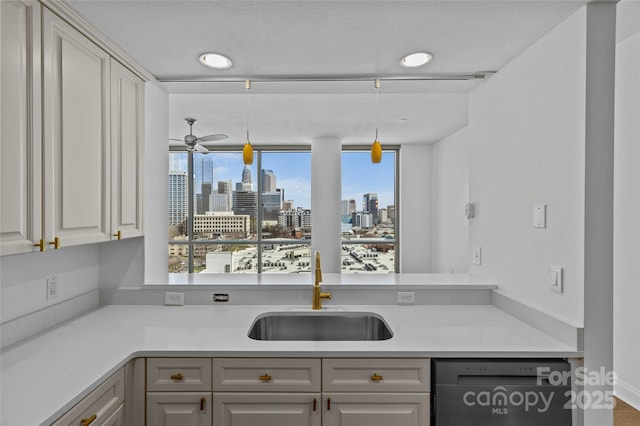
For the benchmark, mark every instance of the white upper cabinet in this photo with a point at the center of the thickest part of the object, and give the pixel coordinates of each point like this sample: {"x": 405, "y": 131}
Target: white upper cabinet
{"x": 127, "y": 119}
{"x": 72, "y": 136}
{"x": 20, "y": 143}
{"x": 76, "y": 134}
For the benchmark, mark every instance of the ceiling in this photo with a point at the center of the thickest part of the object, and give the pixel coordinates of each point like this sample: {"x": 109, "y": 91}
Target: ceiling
{"x": 306, "y": 38}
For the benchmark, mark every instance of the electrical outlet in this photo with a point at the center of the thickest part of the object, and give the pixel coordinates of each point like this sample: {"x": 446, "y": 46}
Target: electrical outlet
{"x": 406, "y": 297}
{"x": 173, "y": 299}
{"x": 52, "y": 288}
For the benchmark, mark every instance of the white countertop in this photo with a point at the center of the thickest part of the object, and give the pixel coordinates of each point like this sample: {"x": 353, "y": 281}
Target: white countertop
{"x": 45, "y": 375}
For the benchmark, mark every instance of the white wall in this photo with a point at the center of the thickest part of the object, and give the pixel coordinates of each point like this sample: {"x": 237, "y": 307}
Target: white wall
{"x": 526, "y": 141}
{"x": 627, "y": 223}
{"x": 450, "y": 194}
{"x": 25, "y": 309}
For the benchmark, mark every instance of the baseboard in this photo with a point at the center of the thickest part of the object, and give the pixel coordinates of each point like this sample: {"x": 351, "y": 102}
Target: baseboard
{"x": 20, "y": 328}
{"x": 627, "y": 393}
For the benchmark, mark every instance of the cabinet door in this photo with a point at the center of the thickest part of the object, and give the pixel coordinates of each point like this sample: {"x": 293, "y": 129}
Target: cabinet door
{"x": 76, "y": 99}
{"x": 375, "y": 409}
{"x": 266, "y": 409}
{"x": 116, "y": 419}
{"x": 179, "y": 408}
{"x": 20, "y": 141}
{"x": 127, "y": 118}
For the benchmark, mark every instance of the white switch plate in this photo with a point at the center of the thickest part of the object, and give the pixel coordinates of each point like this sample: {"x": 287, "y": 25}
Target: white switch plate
{"x": 174, "y": 299}
{"x": 540, "y": 216}
{"x": 477, "y": 256}
{"x": 555, "y": 278}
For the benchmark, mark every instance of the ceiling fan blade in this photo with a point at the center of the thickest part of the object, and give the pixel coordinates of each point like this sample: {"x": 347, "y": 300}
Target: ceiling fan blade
{"x": 178, "y": 140}
{"x": 216, "y": 137}
{"x": 201, "y": 149}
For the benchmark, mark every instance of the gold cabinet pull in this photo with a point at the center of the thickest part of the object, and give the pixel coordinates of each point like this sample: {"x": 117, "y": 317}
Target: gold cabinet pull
{"x": 203, "y": 402}
{"x": 55, "y": 243}
{"x": 88, "y": 420}
{"x": 177, "y": 376}
{"x": 265, "y": 378}
{"x": 315, "y": 403}
{"x": 376, "y": 378}
{"x": 118, "y": 234}
{"x": 42, "y": 244}
{"x": 328, "y": 404}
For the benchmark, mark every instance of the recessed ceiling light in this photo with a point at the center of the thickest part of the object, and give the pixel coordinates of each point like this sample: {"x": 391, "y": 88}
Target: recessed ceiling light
{"x": 416, "y": 59}
{"x": 215, "y": 60}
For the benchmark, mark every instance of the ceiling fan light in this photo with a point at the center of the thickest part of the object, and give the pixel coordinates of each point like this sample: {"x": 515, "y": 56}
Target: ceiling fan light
{"x": 376, "y": 152}
{"x": 247, "y": 154}
{"x": 416, "y": 59}
{"x": 215, "y": 60}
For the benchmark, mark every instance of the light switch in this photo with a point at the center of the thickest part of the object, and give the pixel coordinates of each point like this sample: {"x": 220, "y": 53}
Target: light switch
{"x": 540, "y": 216}
{"x": 477, "y": 256}
{"x": 555, "y": 278}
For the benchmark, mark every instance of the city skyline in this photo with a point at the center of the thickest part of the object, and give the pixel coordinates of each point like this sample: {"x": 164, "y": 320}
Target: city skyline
{"x": 293, "y": 173}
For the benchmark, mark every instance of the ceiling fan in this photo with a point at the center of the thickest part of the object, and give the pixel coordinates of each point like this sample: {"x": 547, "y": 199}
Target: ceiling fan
{"x": 193, "y": 142}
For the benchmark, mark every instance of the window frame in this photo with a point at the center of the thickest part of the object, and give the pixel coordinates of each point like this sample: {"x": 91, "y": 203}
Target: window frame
{"x": 396, "y": 200}
{"x": 258, "y": 242}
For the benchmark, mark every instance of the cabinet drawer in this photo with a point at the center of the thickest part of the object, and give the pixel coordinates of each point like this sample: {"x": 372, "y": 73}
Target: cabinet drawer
{"x": 178, "y": 374}
{"x": 101, "y": 403}
{"x": 375, "y": 375}
{"x": 266, "y": 374}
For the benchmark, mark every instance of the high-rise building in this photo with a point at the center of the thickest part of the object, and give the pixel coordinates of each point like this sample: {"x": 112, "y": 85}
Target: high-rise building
{"x": 299, "y": 218}
{"x": 391, "y": 213}
{"x": 246, "y": 202}
{"x": 178, "y": 197}
{"x": 384, "y": 217}
{"x": 268, "y": 181}
{"x": 348, "y": 207}
{"x": 271, "y": 205}
{"x": 361, "y": 220}
{"x": 203, "y": 199}
{"x": 246, "y": 180}
{"x": 216, "y": 224}
{"x": 220, "y": 202}
{"x": 225, "y": 188}
{"x": 370, "y": 205}
{"x": 287, "y": 205}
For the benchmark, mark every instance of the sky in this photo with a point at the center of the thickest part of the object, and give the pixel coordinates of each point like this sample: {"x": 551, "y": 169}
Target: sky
{"x": 293, "y": 173}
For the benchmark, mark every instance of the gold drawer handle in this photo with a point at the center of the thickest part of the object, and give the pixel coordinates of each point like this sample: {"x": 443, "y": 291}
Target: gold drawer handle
{"x": 177, "y": 376}
{"x": 376, "y": 378}
{"x": 42, "y": 244}
{"x": 265, "y": 378}
{"x": 88, "y": 421}
{"x": 118, "y": 235}
{"x": 55, "y": 243}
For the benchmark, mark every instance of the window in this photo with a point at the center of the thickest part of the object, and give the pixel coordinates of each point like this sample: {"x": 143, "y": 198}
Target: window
{"x": 368, "y": 212}
{"x": 240, "y": 220}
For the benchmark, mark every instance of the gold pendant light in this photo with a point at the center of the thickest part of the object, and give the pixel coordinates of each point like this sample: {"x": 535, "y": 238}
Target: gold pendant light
{"x": 376, "y": 148}
{"x": 247, "y": 150}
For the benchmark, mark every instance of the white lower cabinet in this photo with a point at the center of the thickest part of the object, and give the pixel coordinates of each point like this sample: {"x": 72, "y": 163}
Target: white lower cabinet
{"x": 179, "y": 408}
{"x": 266, "y": 409}
{"x": 102, "y": 407}
{"x": 287, "y": 392}
{"x": 358, "y": 409}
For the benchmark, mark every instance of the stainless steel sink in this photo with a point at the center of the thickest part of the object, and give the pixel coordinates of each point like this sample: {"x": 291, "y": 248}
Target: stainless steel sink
{"x": 319, "y": 326}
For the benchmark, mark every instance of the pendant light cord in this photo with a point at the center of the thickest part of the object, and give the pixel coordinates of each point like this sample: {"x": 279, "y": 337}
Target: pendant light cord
{"x": 377, "y": 84}
{"x": 247, "y": 86}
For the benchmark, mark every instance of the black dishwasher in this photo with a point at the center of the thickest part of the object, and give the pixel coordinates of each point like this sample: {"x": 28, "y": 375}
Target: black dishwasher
{"x": 500, "y": 392}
